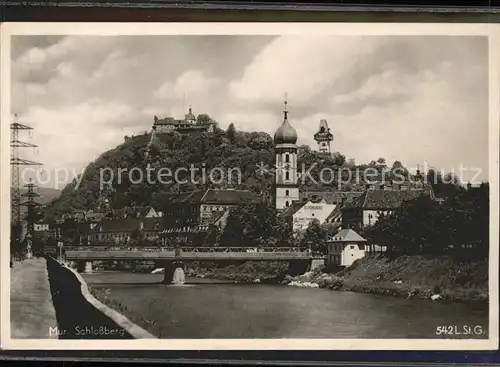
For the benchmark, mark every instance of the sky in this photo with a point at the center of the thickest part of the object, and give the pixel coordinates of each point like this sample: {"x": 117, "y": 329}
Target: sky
{"x": 417, "y": 99}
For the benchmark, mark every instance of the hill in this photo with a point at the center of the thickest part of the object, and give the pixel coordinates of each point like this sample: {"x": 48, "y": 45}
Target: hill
{"x": 47, "y": 194}
{"x": 189, "y": 158}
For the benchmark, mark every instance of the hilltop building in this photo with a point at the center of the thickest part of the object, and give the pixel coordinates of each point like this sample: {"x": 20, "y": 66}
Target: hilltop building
{"x": 188, "y": 124}
{"x": 286, "y": 184}
{"x": 169, "y": 125}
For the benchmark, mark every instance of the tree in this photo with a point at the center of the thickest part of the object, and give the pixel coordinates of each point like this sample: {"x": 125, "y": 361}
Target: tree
{"x": 258, "y": 141}
{"x": 398, "y": 172}
{"x": 203, "y": 119}
{"x": 213, "y": 235}
{"x": 315, "y": 236}
{"x": 338, "y": 159}
{"x": 255, "y": 224}
{"x": 233, "y": 235}
{"x": 422, "y": 226}
{"x": 137, "y": 236}
{"x": 231, "y": 133}
{"x": 444, "y": 185}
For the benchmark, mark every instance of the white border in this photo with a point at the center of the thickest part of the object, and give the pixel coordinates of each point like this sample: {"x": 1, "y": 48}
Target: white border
{"x": 492, "y": 31}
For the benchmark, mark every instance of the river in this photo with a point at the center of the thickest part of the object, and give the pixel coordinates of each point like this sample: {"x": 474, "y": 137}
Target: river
{"x": 205, "y": 308}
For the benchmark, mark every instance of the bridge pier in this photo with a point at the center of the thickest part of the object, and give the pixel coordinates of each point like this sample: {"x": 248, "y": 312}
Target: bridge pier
{"x": 170, "y": 267}
{"x": 317, "y": 263}
{"x": 88, "y": 267}
{"x": 298, "y": 267}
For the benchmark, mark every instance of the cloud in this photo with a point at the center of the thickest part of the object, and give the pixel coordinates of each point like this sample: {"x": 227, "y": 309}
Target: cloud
{"x": 70, "y": 137}
{"x": 193, "y": 82}
{"x": 302, "y": 66}
{"x": 406, "y": 98}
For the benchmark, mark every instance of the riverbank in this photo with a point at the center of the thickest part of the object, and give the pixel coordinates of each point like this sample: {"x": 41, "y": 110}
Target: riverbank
{"x": 436, "y": 278}
{"x": 32, "y": 312}
{"x": 249, "y": 272}
{"x": 79, "y": 314}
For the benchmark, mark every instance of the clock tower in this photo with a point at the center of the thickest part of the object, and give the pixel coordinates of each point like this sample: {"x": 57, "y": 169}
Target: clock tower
{"x": 286, "y": 184}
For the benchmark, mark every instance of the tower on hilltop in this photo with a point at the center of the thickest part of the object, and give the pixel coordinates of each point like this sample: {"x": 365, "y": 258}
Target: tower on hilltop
{"x": 323, "y": 137}
{"x": 286, "y": 184}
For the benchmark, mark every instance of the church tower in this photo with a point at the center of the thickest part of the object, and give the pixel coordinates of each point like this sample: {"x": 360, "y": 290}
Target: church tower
{"x": 323, "y": 137}
{"x": 286, "y": 184}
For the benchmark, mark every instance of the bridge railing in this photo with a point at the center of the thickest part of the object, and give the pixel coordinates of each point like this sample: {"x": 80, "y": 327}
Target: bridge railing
{"x": 189, "y": 249}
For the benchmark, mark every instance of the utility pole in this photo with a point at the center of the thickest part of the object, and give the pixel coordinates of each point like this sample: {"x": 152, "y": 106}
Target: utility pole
{"x": 32, "y": 206}
{"x": 16, "y": 162}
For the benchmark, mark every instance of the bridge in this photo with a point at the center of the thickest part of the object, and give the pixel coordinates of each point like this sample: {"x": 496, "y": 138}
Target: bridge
{"x": 187, "y": 253}
{"x": 171, "y": 258}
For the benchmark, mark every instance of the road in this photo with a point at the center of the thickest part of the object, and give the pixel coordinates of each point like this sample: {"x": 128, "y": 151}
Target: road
{"x": 31, "y": 310}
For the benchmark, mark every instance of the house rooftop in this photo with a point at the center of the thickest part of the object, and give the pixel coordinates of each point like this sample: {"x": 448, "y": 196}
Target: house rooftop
{"x": 293, "y": 208}
{"x": 384, "y": 199}
{"x": 129, "y": 224}
{"x": 331, "y": 197}
{"x": 347, "y": 235}
{"x": 215, "y": 196}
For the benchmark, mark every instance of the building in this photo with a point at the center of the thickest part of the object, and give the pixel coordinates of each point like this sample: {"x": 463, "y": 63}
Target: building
{"x": 344, "y": 248}
{"x": 124, "y": 230}
{"x": 330, "y": 197}
{"x": 137, "y": 212}
{"x": 375, "y": 202}
{"x": 286, "y": 184}
{"x": 43, "y": 232}
{"x": 303, "y": 213}
{"x": 188, "y": 215}
{"x": 40, "y": 227}
{"x": 323, "y": 137}
{"x": 82, "y": 215}
{"x": 187, "y": 125}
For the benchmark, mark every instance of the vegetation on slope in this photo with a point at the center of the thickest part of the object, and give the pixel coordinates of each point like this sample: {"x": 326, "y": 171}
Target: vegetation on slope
{"x": 224, "y": 150}
{"x": 459, "y": 226}
{"x": 415, "y": 276}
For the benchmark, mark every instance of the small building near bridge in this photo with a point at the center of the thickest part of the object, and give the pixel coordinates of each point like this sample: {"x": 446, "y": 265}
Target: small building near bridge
{"x": 344, "y": 248}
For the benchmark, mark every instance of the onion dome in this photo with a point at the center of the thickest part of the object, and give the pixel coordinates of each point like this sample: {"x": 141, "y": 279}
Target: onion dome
{"x": 285, "y": 134}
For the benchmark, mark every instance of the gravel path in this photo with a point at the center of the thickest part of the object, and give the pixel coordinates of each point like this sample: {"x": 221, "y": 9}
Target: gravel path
{"x": 31, "y": 310}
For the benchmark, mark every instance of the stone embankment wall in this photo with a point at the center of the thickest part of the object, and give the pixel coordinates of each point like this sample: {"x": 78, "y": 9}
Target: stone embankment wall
{"x": 81, "y": 316}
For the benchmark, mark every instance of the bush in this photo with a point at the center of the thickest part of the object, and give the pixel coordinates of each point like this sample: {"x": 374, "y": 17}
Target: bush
{"x": 331, "y": 282}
